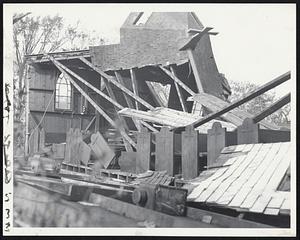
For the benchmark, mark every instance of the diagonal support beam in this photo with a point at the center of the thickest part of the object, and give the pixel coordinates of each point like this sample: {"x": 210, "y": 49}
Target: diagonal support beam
{"x": 183, "y": 106}
{"x": 177, "y": 80}
{"x": 134, "y": 85}
{"x": 273, "y": 108}
{"x": 90, "y": 124}
{"x": 93, "y": 103}
{"x": 262, "y": 89}
{"x": 120, "y": 86}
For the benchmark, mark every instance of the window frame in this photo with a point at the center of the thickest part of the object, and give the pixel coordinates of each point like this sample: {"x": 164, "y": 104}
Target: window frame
{"x": 56, "y": 102}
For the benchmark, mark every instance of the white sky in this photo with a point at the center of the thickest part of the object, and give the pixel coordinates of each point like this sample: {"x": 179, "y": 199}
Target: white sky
{"x": 256, "y": 42}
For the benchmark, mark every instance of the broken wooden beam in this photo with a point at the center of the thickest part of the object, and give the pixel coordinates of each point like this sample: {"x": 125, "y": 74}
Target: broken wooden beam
{"x": 183, "y": 106}
{"x": 273, "y": 108}
{"x": 117, "y": 84}
{"x": 134, "y": 85}
{"x": 192, "y": 41}
{"x": 156, "y": 97}
{"x": 264, "y": 88}
{"x": 177, "y": 80}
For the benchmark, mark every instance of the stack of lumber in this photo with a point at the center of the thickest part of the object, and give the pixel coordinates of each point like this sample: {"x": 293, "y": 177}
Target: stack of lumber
{"x": 247, "y": 179}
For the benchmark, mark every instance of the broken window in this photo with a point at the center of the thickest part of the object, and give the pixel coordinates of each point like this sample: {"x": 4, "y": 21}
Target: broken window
{"x": 63, "y": 93}
{"x": 142, "y": 18}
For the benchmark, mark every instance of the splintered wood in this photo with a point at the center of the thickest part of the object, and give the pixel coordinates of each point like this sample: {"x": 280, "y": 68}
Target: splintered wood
{"x": 248, "y": 182}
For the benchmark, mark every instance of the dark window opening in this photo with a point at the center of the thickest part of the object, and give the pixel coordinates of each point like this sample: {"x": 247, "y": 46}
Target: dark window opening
{"x": 63, "y": 93}
{"x": 142, "y": 18}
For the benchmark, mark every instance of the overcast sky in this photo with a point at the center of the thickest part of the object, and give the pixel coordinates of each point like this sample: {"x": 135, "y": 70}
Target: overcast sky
{"x": 256, "y": 42}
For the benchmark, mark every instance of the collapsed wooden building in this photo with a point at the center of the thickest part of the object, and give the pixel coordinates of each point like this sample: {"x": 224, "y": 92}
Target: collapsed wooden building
{"x": 153, "y": 113}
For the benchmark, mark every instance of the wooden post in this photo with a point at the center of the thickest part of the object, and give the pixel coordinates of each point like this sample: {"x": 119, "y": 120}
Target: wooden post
{"x": 247, "y": 132}
{"x": 216, "y": 141}
{"x": 143, "y": 151}
{"x": 134, "y": 85}
{"x": 190, "y": 153}
{"x": 42, "y": 139}
{"x": 164, "y": 153}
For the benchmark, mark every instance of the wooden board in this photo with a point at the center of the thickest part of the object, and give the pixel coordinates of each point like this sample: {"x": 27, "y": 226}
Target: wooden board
{"x": 190, "y": 153}
{"x": 164, "y": 152}
{"x": 144, "y": 140}
{"x": 101, "y": 149}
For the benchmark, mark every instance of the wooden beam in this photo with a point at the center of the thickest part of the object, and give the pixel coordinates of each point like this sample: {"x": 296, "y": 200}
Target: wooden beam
{"x": 117, "y": 84}
{"x": 192, "y": 41}
{"x": 90, "y": 124}
{"x": 177, "y": 80}
{"x": 183, "y": 106}
{"x": 149, "y": 126}
{"x": 88, "y": 84}
{"x": 127, "y": 99}
{"x": 156, "y": 98}
{"x": 134, "y": 85}
{"x": 93, "y": 103}
{"x": 262, "y": 89}
{"x": 273, "y": 108}
{"x": 127, "y": 145}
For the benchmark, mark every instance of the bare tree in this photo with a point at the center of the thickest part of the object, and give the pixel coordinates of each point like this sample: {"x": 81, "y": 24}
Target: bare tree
{"x": 240, "y": 89}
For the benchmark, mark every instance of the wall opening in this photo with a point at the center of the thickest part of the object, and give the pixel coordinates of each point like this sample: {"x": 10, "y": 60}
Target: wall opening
{"x": 63, "y": 93}
{"x": 142, "y": 18}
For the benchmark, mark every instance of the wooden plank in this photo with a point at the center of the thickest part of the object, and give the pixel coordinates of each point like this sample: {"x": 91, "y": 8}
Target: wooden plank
{"x": 215, "y": 142}
{"x": 117, "y": 84}
{"x": 233, "y": 193}
{"x": 266, "y": 175}
{"x": 286, "y": 206}
{"x": 272, "y": 185}
{"x": 156, "y": 96}
{"x": 260, "y": 90}
{"x": 190, "y": 153}
{"x": 101, "y": 149}
{"x": 164, "y": 152}
{"x": 149, "y": 126}
{"x": 42, "y": 139}
{"x": 85, "y": 153}
{"x": 248, "y": 132}
{"x": 201, "y": 186}
{"x": 182, "y": 102}
{"x": 194, "y": 39}
{"x": 273, "y": 108}
{"x": 134, "y": 85}
{"x": 178, "y": 81}
{"x": 219, "y": 187}
{"x": 246, "y": 188}
{"x": 235, "y": 116}
{"x": 271, "y": 211}
{"x": 94, "y": 104}
{"x": 90, "y": 124}
{"x": 143, "y": 151}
